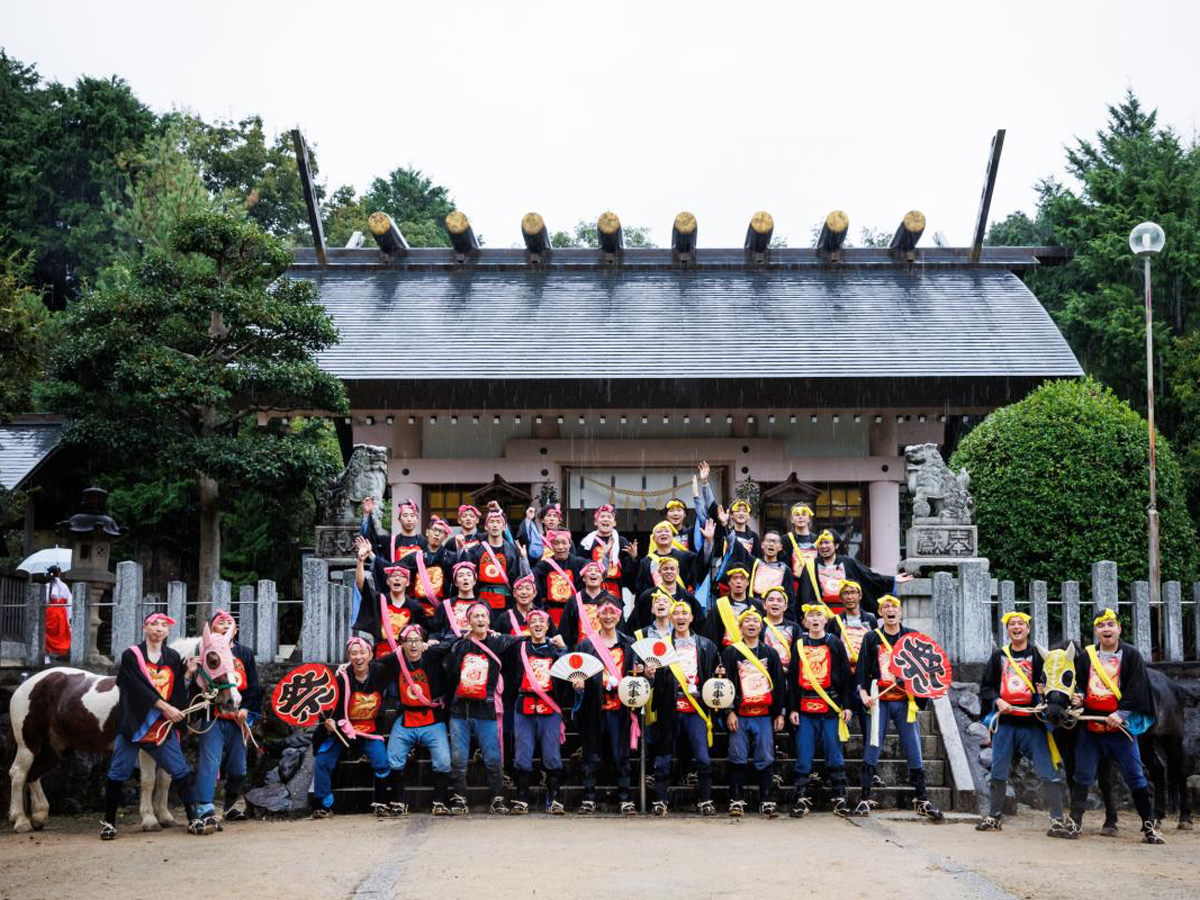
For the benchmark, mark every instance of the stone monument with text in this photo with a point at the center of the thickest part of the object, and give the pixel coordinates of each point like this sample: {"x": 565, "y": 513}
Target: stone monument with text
{"x": 365, "y": 475}
{"x": 941, "y": 533}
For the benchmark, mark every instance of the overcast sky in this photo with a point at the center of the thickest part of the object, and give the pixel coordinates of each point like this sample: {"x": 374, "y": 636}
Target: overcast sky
{"x": 651, "y": 108}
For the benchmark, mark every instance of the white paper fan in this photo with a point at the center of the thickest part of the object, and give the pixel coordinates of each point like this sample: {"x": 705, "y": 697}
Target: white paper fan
{"x": 570, "y": 664}
{"x": 656, "y": 650}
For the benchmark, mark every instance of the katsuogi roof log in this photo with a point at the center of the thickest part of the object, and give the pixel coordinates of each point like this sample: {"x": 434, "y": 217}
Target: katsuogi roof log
{"x": 683, "y": 233}
{"x": 608, "y": 231}
{"x": 758, "y": 234}
{"x": 386, "y": 234}
{"x": 909, "y": 232}
{"x": 833, "y": 233}
{"x": 462, "y": 238}
{"x": 533, "y": 230}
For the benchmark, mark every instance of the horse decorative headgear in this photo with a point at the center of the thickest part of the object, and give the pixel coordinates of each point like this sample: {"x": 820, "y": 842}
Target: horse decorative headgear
{"x": 217, "y": 671}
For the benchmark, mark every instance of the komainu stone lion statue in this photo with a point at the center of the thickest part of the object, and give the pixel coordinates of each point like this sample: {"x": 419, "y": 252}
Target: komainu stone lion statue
{"x": 938, "y": 494}
{"x": 364, "y": 476}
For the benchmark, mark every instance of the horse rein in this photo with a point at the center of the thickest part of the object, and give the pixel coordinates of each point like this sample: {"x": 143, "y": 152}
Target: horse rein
{"x": 1075, "y": 715}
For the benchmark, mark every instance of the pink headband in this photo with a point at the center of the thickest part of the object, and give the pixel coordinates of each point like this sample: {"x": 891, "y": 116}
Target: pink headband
{"x": 525, "y": 579}
{"x": 441, "y": 523}
{"x": 606, "y": 508}
{"x": 466, "y": 507}
{"x": 474, "y": 606}
{"x": 555, "y": 535}
{"x": 494, "y": 514}
{"x": 465, "y": 564}
{"x": 217, "y": 617}
{"x": 553, "y": 507}
{"x": 407, "y": 628}
{"x": 388, "y": 570}
{"x": 410, "y": 505}
{"x": 537, "y": 612}
{"x": 592, "y": 565}
{"x": 154, "y": 617}
{"x": 357, "y": 640}
{"x": 611, "y": 603}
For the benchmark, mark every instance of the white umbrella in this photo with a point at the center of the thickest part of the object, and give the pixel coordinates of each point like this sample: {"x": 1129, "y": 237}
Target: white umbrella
{"x": 44, "y": 559}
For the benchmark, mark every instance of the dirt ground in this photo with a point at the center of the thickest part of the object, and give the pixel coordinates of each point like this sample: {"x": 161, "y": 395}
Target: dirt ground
{"x": 356, "y": 856}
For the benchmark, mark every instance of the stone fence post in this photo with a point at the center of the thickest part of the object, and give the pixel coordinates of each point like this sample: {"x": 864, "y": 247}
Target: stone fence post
{"x": 1039, "y": 608}
{"x": 247, "y": 610}
{"x": 945, "y": 614}
{"x": 222, "y": 598}
{"x": 127, "y": 605}
{"x": 1141, "y": 617}
{"x": 1172, "y": 613}
{"x": 80, "y": 633}
{"x": 177, "y": 608}
{"x": 314, "y": 627}
{"x": 1070, "y": 611}
{"x": 975, "y": 586}
{"x": 1006, "y": 602}
{"x": 1104, "y": 586}
{"x": 266, "y": 644}
{"x": 35, "y": 623}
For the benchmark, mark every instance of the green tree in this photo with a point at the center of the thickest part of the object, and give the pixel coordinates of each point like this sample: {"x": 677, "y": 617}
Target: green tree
{"x": 1060, "y": 480}
{"x": 584, "y": 235}
{"x": 23, "y": 322}
{"x": 169, "y": 366}
{"x": 1133, "y": 170}
{"x": 417, "y": 205}
{"x": 60, "y": 152}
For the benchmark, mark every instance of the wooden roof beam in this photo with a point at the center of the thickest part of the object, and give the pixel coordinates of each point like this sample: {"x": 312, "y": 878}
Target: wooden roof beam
{"x": 985, "y": 199}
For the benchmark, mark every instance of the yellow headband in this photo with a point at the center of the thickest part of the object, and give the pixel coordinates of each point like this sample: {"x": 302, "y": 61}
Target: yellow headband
{"x": 889, "y": 600}
{"x": 664, "y": 524}
{"x": 1024, "y": 617}
{"x": 736, "y": 503}
{"x": 664, "y": 595}
{"x": 826, "y": 534}
{"x": 816, "y": 607}
{"x": 679, "y": 603}
{"x": 1107, "y": 616}
{"x": 775, "y": 590}
{"x": 749, "y": 612}
{"x": 847, "y": 583}
{"x": 802, "y": 507}
{"x": 737, "y": 570}
{"x": 673, "y": 502}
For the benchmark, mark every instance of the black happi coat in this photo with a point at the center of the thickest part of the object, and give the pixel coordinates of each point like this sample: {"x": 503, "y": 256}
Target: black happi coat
{"x": 375, "y": 683}
{"x": 442, "y": 559}
{"x": 666, "y": 689}
{"x": 1133, "y": 682}
{"x": 588, "y": 715}
{"x": 571, "y": 566}
{"x": 559, "y": 691}
{"x": 369, "y": 620}
{"x": 692, "y": 568}
{"x": 247, "y": 672}
{"x": 874, "y": 585}
{"x": 993, "y": 672}
{"x": 867, "y": 669}
{"x": 482, "y": 708}
{"x": 138, "y": 696}
{"x": 731, "y": 657}
{"x": 428, "y": 672}
{"x": 570, "y": 628}
{"x": 841, "y": 687}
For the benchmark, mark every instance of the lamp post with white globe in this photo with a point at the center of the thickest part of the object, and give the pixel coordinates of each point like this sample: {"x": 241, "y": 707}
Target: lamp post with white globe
{"x": 1145, "y": 241}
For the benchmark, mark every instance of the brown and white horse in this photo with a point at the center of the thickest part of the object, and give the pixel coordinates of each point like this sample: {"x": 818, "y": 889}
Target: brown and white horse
{"x": 62, "y": 709}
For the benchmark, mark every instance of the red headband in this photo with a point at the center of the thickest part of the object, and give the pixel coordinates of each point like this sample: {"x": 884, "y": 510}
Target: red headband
{"x": 606, "y": 508}
{"x": 466, "y": 507}
{"x": 154, "y": 617}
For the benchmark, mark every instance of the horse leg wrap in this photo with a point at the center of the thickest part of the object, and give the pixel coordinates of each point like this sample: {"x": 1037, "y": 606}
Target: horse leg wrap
{"x": 112, "y": 800}
{"x": 1079, "y": 798}
{"x": 996, "y": 793}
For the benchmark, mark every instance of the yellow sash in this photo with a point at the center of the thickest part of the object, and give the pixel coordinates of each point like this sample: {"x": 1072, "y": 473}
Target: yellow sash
{"x": 677, "y": 671}
{"x": 843, "y": 728}
{"x": 912, "y": 703}
{"x": 727, "y": 619}
{"x": 1102, "y": 672}
{"x": 745, "y": 651}
{"x": 1055, "y": 756}
{"x": 850, "y": 654}
{"x": 778, "y": 634}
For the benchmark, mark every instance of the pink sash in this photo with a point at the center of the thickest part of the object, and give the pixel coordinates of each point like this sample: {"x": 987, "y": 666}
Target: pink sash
{"x": 497, "y": 698}
{"x": 610, "y": 664}
{"x": 451, "y": 617}
{"x": 344, "y": 723}
{"x": 423, "y": 574}
{"x": 541, "y": 693}
{"x": 413, "y": 686}
{"x": 503, "y": 574}
{"x": 385, "y": 622}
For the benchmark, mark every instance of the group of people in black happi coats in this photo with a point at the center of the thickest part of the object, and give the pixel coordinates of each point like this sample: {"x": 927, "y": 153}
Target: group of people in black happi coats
{"x": 463, "y": 625}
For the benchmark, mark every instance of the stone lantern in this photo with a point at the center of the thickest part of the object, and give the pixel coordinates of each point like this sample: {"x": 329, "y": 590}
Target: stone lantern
{"x": 90, "y": 533}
